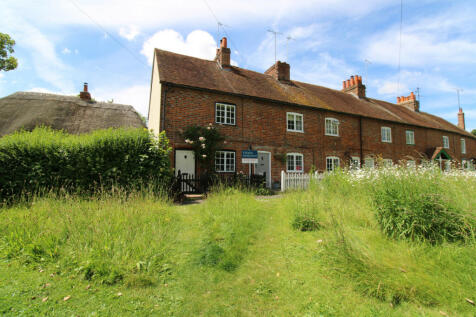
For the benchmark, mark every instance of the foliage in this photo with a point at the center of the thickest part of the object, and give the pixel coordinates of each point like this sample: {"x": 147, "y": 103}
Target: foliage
{"x": 7, "y": 62}
{"x": 146, "y": 255}
{"x": 230, "y": 228}
{"x": 205, "y": 141}
{"x": 46, "y": 160}
{"x": 473, "y": 132}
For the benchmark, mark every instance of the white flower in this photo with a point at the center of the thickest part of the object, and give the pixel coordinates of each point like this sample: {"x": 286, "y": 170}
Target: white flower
{"x": 187, "y": 141}
{"x": 203, "y": 146}
{"x": 208, "y": 128}
{"x": 204, "y": 155}
{"x": 191, "y": 142}
{"x": 224, "y": 142}
{"x": 201, "y": 139}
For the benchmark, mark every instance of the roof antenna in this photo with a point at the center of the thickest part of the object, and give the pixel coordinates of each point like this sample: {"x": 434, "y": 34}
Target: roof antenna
{"x": 275, "y": 34}
{"x": 418, "y": 93}
{"x": 367, "y": 62}
{"x": 219, "y": 24}
{"x": 288, "y": 39}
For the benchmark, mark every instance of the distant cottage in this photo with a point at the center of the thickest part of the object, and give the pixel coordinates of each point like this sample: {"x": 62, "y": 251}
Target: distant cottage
{"x": 294, "y": 126}
{"x": 26, "y": 110}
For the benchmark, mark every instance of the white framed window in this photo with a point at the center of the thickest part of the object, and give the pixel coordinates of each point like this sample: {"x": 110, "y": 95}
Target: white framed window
{"x": 295, "y": 162}
{"x": 387, "y": 162}
{"x": 410, "y": 136}
{"x": 463, "y": 146}
{"x": 332, "y": 163}
{"x": 225, "y": 161}
{"x": 369, "y": 162}
{"x": 354, "y": 162}
{"x": 225, "y": 113}
{"x": 332, "y": 127}
{"x": 446, "y": 142}
{"x": 411, "y": 164}
{"x": 386, "y": 134}
{"x": 294, "y": 122}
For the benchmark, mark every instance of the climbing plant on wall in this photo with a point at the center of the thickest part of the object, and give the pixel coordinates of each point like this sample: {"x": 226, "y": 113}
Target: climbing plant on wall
{"x": 205, "y": 141}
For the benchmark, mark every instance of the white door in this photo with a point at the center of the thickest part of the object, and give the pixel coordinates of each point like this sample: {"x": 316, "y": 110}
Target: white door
{"x": 185, "y": 162}
{"x": 264, "y": 166}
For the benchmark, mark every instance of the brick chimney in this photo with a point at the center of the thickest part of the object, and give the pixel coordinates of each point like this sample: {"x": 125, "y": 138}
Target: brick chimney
{"x": 354, "y": 86}
{"x": 409, "y": 101}
{"x": 223, "y": 54}
{"x": 280, "y": 71}
{"x": 461, "y": 123}
{"x": 85, "y": 95}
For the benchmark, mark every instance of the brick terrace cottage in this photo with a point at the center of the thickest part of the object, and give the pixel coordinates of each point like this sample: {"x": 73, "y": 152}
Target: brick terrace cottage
{"x": 292, "y": 125}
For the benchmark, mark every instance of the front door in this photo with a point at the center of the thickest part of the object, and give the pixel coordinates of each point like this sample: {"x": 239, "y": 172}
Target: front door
{"x": 264, "y": 166}
{"x": 185, "y": 162}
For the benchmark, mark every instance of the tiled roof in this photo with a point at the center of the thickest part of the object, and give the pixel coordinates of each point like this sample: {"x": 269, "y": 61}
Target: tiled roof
{"x": 199, "y": 73}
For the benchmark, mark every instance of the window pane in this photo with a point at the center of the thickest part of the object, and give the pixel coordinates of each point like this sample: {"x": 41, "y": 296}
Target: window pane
{"x": 298, "y": 163}
{"x": 298, "y": 123}
{"x": 290, "y": 162}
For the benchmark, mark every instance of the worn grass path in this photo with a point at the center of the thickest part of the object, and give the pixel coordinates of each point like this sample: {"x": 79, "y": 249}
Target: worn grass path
{"x": 282, "y": 272}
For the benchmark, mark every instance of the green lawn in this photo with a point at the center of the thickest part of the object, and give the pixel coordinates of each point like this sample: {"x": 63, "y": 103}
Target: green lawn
{"x": 233, "y": 255}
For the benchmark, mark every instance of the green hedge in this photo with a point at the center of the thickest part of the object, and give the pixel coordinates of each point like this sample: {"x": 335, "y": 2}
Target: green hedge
{"x": 46, "y": 160}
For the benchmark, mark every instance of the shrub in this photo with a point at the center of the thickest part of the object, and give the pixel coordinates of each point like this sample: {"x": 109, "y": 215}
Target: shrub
{"x": 414, "y": 207}
{"x": 45, "y": 160}
{"x": 305, "y": 222}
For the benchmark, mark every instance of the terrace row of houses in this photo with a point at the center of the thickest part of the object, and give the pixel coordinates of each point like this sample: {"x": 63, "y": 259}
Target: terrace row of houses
{"x": 294, "y": 126}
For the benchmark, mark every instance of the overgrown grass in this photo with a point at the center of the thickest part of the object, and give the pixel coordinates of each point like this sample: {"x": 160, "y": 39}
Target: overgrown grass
{"x": 235, "y": 255}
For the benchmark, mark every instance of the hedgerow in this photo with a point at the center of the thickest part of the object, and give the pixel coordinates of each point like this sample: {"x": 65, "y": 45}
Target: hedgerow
{"x": 45, "y": 160}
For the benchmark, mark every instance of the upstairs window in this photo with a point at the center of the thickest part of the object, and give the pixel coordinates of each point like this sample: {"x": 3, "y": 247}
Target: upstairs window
{"x": 332, "y": 163}
{"x": 386, "y": 134}
{"x": 294, "y": 122}
{"x": 225, "y": 161}
{"x": 225, "y": 113}
{"x": 463, "y": 146}
{"x": 294, "y": 163}
{"x": 332, "y": 127}
{"x": 410, "y": 137}
{"x": 446, "y": 142}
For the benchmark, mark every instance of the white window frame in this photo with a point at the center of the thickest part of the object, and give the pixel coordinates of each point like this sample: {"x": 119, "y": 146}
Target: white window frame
{"x": 446, "y": 142}
{"x": 463, "y": 146}
{"x": 331, "y": 163}
{"x": 228, "y": 156}
{"x": 386, "y": 132}
{"x": 354, "y": 159}
{"x": 411, "y": 164}
{"x": 293, "y": 160}
{"x": 332, "y": 127}
{"x": 369, "y": 162}
{"x": 227, "y": 115}
{"x": 387, "y": 162}
{"x": 410, "y": 137}
{"x": 295, "y": 116}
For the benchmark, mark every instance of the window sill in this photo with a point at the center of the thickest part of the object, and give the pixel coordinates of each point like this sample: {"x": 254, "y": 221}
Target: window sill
{"x": 386, "y": 141}
{"x": 331, "y": 135}
{"x": 230, "y": 124}
{"x": 287, "y": 130}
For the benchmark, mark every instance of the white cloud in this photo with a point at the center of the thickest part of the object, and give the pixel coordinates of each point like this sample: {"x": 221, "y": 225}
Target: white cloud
{"x": 129, "y": 32}
{"x": 436, "y": 40}
{"x": 136, "y": 96}
{"x": 160, "y": 14}
{"x": 66, "y": 51}
{"x": 46, "y": 91}
{"x": 324, "y": 70}
{"x": 392, "y": 88}
{"x": 198, "y": 44}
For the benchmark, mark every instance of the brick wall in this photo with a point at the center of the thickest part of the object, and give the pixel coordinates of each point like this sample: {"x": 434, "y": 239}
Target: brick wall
{"x": 263, "y": 126}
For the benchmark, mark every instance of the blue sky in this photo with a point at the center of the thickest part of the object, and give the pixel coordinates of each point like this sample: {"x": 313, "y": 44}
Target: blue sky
{"x": 63, "y": 43}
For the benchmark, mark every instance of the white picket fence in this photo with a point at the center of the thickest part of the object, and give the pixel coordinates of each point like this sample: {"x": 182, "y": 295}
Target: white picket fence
{"x": 298, "y": 180}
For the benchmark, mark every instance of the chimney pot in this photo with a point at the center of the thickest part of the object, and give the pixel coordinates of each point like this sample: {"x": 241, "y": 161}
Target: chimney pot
{"x": 343, "y": 85}
{"x": 223, "y": 56}
{"x": 85, "y": 87}
{"x": 85, "y": 95}
{"x": 461, "y": 122}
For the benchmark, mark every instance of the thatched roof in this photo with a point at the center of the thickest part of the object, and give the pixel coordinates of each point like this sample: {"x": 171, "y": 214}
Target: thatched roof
{"x": 29, "y": 109}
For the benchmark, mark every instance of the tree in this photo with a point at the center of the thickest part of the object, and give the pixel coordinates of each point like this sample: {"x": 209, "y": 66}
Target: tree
{"x": 7, "y": 62}
{"x": 474, "y": 131}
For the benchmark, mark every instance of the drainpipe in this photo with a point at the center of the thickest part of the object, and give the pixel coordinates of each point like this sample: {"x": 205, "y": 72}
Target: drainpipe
{"x": 360, "y": 137}
{"x": 162, "y": 124}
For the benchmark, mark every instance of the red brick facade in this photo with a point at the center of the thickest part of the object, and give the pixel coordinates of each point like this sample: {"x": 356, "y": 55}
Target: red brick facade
{"x": 262, "y": 125}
